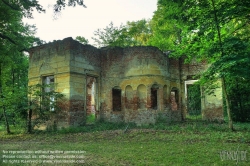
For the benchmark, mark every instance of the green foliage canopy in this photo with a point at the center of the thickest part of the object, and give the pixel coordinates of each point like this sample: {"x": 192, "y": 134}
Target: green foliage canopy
{"x": 15, "y": 37}
{"x": 214, "y": 31}
{"x": 82, "y": 39}
{"x": 135, "y": 33}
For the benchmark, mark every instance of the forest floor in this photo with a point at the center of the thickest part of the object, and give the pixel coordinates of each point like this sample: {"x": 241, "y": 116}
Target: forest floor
{"x": 186, "y": 143}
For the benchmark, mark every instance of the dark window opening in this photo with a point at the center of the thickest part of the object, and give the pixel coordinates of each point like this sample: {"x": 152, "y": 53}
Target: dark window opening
{"x": 117, "y": 104}
{"x": 154, "y": 98}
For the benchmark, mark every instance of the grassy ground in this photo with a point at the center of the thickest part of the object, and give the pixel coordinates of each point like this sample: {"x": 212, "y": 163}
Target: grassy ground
{"x": 189, "y": 143}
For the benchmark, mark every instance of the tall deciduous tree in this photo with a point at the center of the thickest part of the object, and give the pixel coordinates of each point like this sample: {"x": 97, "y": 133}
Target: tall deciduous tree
{"x": 139, "y": 32}
{"x": 215, "y": 31}
{"x": 13, "y": 86}
{"x": 110, "y": 36}
{"x": 135, "y": 33}
{"x": 168, "y": 24}
{"x": 15, "y": 37}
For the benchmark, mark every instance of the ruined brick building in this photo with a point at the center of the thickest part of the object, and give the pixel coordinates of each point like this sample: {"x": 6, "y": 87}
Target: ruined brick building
{"x": 134, "y": 84}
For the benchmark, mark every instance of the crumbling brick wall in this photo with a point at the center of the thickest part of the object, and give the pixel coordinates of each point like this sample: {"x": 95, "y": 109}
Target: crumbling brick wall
{"x": 138, "y": 68}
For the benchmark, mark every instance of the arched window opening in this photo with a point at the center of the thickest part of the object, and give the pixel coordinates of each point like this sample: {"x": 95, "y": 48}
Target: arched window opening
{"x": 154, "y": 96}
{"x": 116, "y": 99}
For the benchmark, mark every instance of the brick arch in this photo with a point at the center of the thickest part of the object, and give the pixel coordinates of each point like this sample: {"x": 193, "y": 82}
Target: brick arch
{"x": 154, "y": 96}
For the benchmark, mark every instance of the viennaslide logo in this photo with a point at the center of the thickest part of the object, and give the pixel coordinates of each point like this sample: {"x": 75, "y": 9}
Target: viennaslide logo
{"x": 237, "y": 155}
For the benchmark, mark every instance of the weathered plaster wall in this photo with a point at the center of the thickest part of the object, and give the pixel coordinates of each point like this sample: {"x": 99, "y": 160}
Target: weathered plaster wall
{"x": 70, "y": 62}
{"x": 52, "y": 59}
{"x": 84, "y": 61}
{"x": 211, "y": 105}
{"x": 135, "y": 70}
{"x": 148, "y": 82}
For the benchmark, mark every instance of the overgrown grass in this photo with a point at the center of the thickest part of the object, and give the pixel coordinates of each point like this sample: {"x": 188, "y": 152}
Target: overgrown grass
{"x": 178, "y": 143}
{"x": 98, "y": 126}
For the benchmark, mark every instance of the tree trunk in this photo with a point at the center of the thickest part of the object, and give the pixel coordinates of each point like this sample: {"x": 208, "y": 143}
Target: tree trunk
{"x": 224, "y": 89}
{"x": 230, "y": 120}
{"x": 6, "y": 120}
{"x": 29, "y": 123}
{"x": 2, "y": 98}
